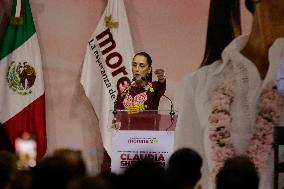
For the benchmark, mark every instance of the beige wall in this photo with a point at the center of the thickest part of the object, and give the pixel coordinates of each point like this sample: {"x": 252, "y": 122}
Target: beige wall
{"x": 172, "y": 31}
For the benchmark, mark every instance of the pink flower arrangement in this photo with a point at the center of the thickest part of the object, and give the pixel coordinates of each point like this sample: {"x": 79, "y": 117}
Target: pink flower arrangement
{"x": 220, "y": 119}
{"x": 137, "y": 102}
{"x": 140, "y": 98}
{"x": 270, "y": 109}
{"x": 127, "y": 101}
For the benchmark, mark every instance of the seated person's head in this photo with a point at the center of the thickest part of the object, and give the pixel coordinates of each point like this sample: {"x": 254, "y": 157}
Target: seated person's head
{"x": 7, "y": 168}
{"x": 105, "y": 180}
{"x": 52, "y": 172}
{"x": 184, "y": 168}
{"x": 238, "y": 172}
{"x": 144, "y": 174}
{"x": 74, "y": 159}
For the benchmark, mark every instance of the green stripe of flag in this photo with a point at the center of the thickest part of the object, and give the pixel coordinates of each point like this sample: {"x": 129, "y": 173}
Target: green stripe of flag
{"x": 16, "y": 35}
{"x": 14, "y": 7}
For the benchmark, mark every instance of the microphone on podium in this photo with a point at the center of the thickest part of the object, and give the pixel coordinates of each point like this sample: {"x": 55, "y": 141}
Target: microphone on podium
{"x": 172, "y": 112}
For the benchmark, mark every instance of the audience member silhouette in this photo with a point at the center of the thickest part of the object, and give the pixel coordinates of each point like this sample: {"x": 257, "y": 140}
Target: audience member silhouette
{"x": 101, "y": 181}
{"x": 5, "y": 143}
{"x": 7, "y": 169}
{"x": 52, "y": 172}
{"x": 144, "y": 174}
{"x": 184, "y": 168}
{"x": 238, "y": 172}
{"x": 74, "y": 159}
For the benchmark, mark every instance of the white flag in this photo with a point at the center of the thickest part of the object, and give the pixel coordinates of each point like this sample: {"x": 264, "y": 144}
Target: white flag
{"x": 107, "y": 64}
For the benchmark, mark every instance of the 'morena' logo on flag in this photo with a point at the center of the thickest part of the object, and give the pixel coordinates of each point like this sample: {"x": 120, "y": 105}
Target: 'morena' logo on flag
{"x": 20, "y": 77}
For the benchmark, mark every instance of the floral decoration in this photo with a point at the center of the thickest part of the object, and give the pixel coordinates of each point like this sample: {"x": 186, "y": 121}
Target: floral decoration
{"x": 148, "y": 87}
{"x": 136, "y": 102}
{"x": 127, "y": 101}
{"x": 220, "y": 119}
{"x": 140, "y": 98}
{"x": 135, "y": 108}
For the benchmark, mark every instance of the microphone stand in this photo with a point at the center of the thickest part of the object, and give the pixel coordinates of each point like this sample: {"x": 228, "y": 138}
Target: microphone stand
{"x": 172, "y": 112}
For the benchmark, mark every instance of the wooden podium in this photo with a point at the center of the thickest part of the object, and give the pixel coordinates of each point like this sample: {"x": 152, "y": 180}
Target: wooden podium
{"x": 142, "y": 134}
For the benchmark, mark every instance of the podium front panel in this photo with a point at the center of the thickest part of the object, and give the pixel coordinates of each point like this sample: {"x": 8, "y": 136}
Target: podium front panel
{"x": 141, "y": 134}
{"x": 130, "y": 146}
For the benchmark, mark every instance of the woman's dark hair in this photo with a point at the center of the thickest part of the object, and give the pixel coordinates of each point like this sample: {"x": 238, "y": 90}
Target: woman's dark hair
{"x": 249, "y": 5}
{"x": 223, "y": 26}
{"x": 149, "y": 60}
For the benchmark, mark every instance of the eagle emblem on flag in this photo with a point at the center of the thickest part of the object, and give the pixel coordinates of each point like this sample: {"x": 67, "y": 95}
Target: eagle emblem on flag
{"x": 21, "y": 77}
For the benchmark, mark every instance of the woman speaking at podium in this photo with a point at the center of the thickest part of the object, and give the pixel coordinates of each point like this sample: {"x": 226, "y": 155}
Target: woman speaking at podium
{"x": 141, "y": 94}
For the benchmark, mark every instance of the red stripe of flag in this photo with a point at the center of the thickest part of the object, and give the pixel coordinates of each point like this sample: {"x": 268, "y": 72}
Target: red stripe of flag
{"x": 25, "y": 121}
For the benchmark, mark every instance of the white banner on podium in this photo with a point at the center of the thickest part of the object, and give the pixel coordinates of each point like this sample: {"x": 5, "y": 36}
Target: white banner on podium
{"x": 129, "y": 146}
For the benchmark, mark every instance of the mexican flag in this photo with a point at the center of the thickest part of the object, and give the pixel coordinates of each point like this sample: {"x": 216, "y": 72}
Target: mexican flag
{"x": 22, "y": 101}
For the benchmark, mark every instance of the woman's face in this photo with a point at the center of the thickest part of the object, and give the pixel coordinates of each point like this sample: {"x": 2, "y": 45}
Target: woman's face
{"x": 140, "y": 67}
